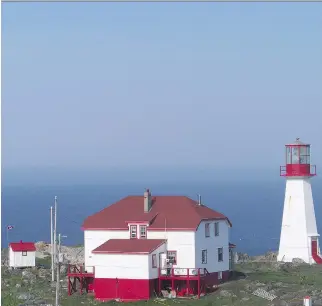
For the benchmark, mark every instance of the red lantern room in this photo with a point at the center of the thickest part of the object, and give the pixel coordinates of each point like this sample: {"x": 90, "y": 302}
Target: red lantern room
{"x": 298, "y": 160}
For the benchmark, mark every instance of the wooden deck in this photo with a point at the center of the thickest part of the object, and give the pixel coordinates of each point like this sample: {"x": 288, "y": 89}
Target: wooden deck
{"x": 78, "y": 275}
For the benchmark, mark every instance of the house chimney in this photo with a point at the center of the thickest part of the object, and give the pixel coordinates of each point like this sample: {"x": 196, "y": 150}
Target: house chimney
{"x": 147, "y": 200}
{"x": 199, "y": 199}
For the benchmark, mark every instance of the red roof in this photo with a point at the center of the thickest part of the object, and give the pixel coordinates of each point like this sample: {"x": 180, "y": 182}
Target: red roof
{"x": 22, "y": 246}
{"x": 171, "y": 212}
{"x": 129, "y": 246}
{"x": 231, "y": 245}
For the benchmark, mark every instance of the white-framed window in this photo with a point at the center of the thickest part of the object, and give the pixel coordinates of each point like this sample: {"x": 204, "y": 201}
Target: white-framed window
{"x": 24, "y": 253}
{"x": 216, "y": 228}
{"x": 154, "y": 261}
{"x": 204, "y": 256}
{"x": 220, "y": 275}
{"x": 143, "y": 231}
{"x": 207, "y": 230}
{"x": 133, "y": 231}
{"x": 172, "y": 256}
{"x": 220, "y": 254}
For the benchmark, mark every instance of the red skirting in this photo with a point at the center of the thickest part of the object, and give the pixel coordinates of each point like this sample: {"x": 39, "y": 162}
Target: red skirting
{"x": 124, "y": 289}
{"x": 106, "y": 289}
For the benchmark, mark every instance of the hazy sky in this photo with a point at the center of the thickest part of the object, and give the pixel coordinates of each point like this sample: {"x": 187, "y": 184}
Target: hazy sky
{"x": 159, "y": 84}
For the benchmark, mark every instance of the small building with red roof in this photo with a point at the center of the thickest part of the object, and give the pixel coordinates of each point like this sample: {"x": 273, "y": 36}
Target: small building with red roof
{"x": 22, "y": 254}
{"x": 142, "y": 245}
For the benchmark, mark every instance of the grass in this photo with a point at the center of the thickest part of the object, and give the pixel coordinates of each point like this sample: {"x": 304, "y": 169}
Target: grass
{"x": 45, "y": 262}
{"x": 290, "y": 284}
{"x": 9, "y": 300}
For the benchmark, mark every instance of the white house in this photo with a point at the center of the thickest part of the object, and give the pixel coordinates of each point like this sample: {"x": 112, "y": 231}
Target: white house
{"x": 22, "y": 254}
{"x": 141, "y": 244}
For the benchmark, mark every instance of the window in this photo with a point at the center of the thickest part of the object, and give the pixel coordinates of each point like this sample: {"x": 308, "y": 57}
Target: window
{"x": 142, "y": 231}
{"x": 220, "y": 254}
{"x": 24, "y": 253}
{"x": 154, "y": 261}
{"x": 133, "y": 231}
{"x": 207, "y": 230}
{"x": 204, "y": 256}
{"x": 172, "y": 256}
{"x": 217, "y": 229}
{"x": 220, "y": 275}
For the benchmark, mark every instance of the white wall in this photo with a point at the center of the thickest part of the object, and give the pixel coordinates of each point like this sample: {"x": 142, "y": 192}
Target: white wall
{"x": 93, "y": 239}
{"x": 16, "y": 259}
{"x": 154, "y": 272}
{"x": 126, "y": 266}
{"x": 181, "y": 241}
{"x": 121, "y": 266}
{"x": 188, "y": 245}
{"x": 298, "y": 223}
{"x": 211, "y": 244}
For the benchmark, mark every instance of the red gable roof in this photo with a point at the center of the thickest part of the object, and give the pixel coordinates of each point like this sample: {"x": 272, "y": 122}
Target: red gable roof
{"x": 22, "y": 246}
{"x": 170, "y": 212}
{"x": 129, "y": 246}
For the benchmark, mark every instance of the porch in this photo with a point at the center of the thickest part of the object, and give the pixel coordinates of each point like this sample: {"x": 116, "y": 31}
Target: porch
{"x": 184, "y": 281}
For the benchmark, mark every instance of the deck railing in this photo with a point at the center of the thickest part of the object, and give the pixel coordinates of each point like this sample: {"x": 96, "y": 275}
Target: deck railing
{"x": 182, "y": 272}
{"x": 75, "y": 270}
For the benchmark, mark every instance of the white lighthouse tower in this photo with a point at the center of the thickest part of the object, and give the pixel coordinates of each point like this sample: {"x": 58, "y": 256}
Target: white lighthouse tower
{"x": 299, "y": 236}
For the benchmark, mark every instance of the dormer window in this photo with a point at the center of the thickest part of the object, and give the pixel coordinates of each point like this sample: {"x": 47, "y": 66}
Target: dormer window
{"x": 142, "y": 231}
{"x": 133, "y": 231}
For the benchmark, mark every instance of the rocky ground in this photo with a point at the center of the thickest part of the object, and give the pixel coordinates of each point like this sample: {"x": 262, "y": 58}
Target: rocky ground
{"x": 289, "y": 282}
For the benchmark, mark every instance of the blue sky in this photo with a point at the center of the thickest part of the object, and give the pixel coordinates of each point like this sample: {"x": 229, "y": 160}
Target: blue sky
{"x": 101, "y": 85}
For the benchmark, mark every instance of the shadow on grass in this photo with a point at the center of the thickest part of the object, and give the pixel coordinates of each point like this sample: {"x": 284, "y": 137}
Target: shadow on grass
{"x": 237, "y": 275}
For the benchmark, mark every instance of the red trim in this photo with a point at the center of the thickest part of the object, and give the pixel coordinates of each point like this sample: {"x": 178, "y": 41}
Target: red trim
{"x": 302, "y": 170}
{"x": 138, "y": 222}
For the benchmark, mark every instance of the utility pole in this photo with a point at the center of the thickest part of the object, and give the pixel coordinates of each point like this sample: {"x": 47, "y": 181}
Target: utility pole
{"x": 58, "y": 260}
{"x": 55, "y": 234}
{"x": 52, "y": 245}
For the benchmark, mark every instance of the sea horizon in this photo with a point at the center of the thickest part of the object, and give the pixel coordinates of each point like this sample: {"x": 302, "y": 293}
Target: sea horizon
{"x": 254, "y": 207}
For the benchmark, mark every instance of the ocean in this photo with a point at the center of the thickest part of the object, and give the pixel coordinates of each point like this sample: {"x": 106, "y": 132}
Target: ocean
{"x": 254, "y": 208}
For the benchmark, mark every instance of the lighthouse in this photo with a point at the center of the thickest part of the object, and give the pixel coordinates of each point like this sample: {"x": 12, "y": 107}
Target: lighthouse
{"x": 299, "y": 235}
